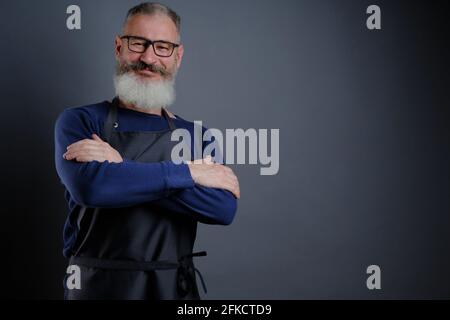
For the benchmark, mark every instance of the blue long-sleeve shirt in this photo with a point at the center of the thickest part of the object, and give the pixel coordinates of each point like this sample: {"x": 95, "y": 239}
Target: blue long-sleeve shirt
{"x": 112, "y": 185}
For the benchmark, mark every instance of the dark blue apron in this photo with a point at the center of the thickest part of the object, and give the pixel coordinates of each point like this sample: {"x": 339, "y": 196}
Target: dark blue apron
{"x": 139, "y": 252}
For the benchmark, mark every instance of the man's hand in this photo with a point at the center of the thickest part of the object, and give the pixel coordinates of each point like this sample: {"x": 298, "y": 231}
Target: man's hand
{"x": 213, "y": 175}
{"x": 94, "y": 149}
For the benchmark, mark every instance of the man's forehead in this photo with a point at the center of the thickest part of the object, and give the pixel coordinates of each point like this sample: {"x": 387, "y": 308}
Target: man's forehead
{"x": 154, "y": 27}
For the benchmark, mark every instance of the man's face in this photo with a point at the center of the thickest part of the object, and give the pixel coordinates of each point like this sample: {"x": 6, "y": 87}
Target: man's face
{"x": 147, "y": 65}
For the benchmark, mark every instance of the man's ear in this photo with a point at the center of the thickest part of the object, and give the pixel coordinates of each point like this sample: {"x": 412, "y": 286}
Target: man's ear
{"x": 118, "y": 46}
{"x": 180, "y": 53}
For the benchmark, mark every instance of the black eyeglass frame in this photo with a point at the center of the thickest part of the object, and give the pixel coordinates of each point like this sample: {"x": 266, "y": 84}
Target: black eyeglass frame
{"x": 149, "y": 43}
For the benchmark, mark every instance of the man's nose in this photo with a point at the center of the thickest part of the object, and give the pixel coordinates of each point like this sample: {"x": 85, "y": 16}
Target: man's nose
{"x": 149, "y": 56}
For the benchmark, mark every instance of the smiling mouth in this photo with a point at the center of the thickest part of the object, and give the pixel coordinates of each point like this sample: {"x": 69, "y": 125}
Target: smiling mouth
{"x": 147, "y": 72}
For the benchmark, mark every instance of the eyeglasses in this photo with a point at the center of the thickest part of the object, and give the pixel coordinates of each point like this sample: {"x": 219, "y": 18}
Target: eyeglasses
{"x": 140, "y": 45}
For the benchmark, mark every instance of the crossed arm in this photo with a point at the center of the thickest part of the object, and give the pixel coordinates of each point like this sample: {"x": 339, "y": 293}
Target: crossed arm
{"x": 96, "y": 176}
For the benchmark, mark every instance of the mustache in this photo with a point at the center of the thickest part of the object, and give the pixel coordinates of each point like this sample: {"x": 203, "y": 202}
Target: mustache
{"x": 140, "y": 65}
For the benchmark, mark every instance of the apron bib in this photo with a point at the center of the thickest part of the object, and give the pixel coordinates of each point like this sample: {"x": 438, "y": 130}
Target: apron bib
{"x": 139, "y": 252}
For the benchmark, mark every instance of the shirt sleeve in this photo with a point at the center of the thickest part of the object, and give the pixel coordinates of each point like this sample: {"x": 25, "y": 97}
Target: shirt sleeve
{"x": 111, "y": 185}
{"x": 206, "y": 205}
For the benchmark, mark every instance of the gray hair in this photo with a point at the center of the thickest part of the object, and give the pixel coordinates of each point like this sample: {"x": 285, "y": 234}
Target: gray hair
{"x": 152, "y": 8}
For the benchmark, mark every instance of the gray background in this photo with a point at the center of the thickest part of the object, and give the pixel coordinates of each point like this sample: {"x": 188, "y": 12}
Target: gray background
{"x": 364, "y": 129}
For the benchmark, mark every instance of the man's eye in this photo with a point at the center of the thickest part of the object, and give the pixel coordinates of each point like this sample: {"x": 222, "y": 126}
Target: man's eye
{"x": 162, "y": 47}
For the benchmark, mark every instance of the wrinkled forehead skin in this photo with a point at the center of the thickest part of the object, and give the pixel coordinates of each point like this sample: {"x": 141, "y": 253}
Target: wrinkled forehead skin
{"x": 153, "y": 27}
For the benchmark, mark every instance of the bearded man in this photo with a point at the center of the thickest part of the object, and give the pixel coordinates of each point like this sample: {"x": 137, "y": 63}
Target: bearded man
{"x": 133, "y": 212}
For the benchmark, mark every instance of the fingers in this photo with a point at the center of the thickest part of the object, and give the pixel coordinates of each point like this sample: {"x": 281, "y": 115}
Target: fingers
{"x": 83, "y": 148}
{"x": 207, "y": 160}
{"x": 95, "y": 149}
{"x": 235, "y": 187}
{"x": 86, "y": 150}
{"x": 82, "y": 143}
{"x": 214, "y": 175}
{"x": 86, "y": 155}
{"x": 87, "y": 158}
{"x": 231, "y": 182}
{"x": 235, "y": 184}
{"x": 95, "y": 140}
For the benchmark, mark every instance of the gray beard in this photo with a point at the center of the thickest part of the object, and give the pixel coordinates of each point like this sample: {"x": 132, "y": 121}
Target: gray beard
{"x": 144, "y": 94}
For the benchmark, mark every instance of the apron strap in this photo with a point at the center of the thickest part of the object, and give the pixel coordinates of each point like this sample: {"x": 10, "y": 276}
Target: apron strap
{"x": 122, "y": 264}
{"x": 183, "y": 265}
{"x": 111, "y": 120}
{"x": 172, "y": 126}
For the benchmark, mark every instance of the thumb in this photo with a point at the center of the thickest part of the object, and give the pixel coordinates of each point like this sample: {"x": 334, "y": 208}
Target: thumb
{"x": 208, "y": 160}
{"x": 97, "y": 138}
